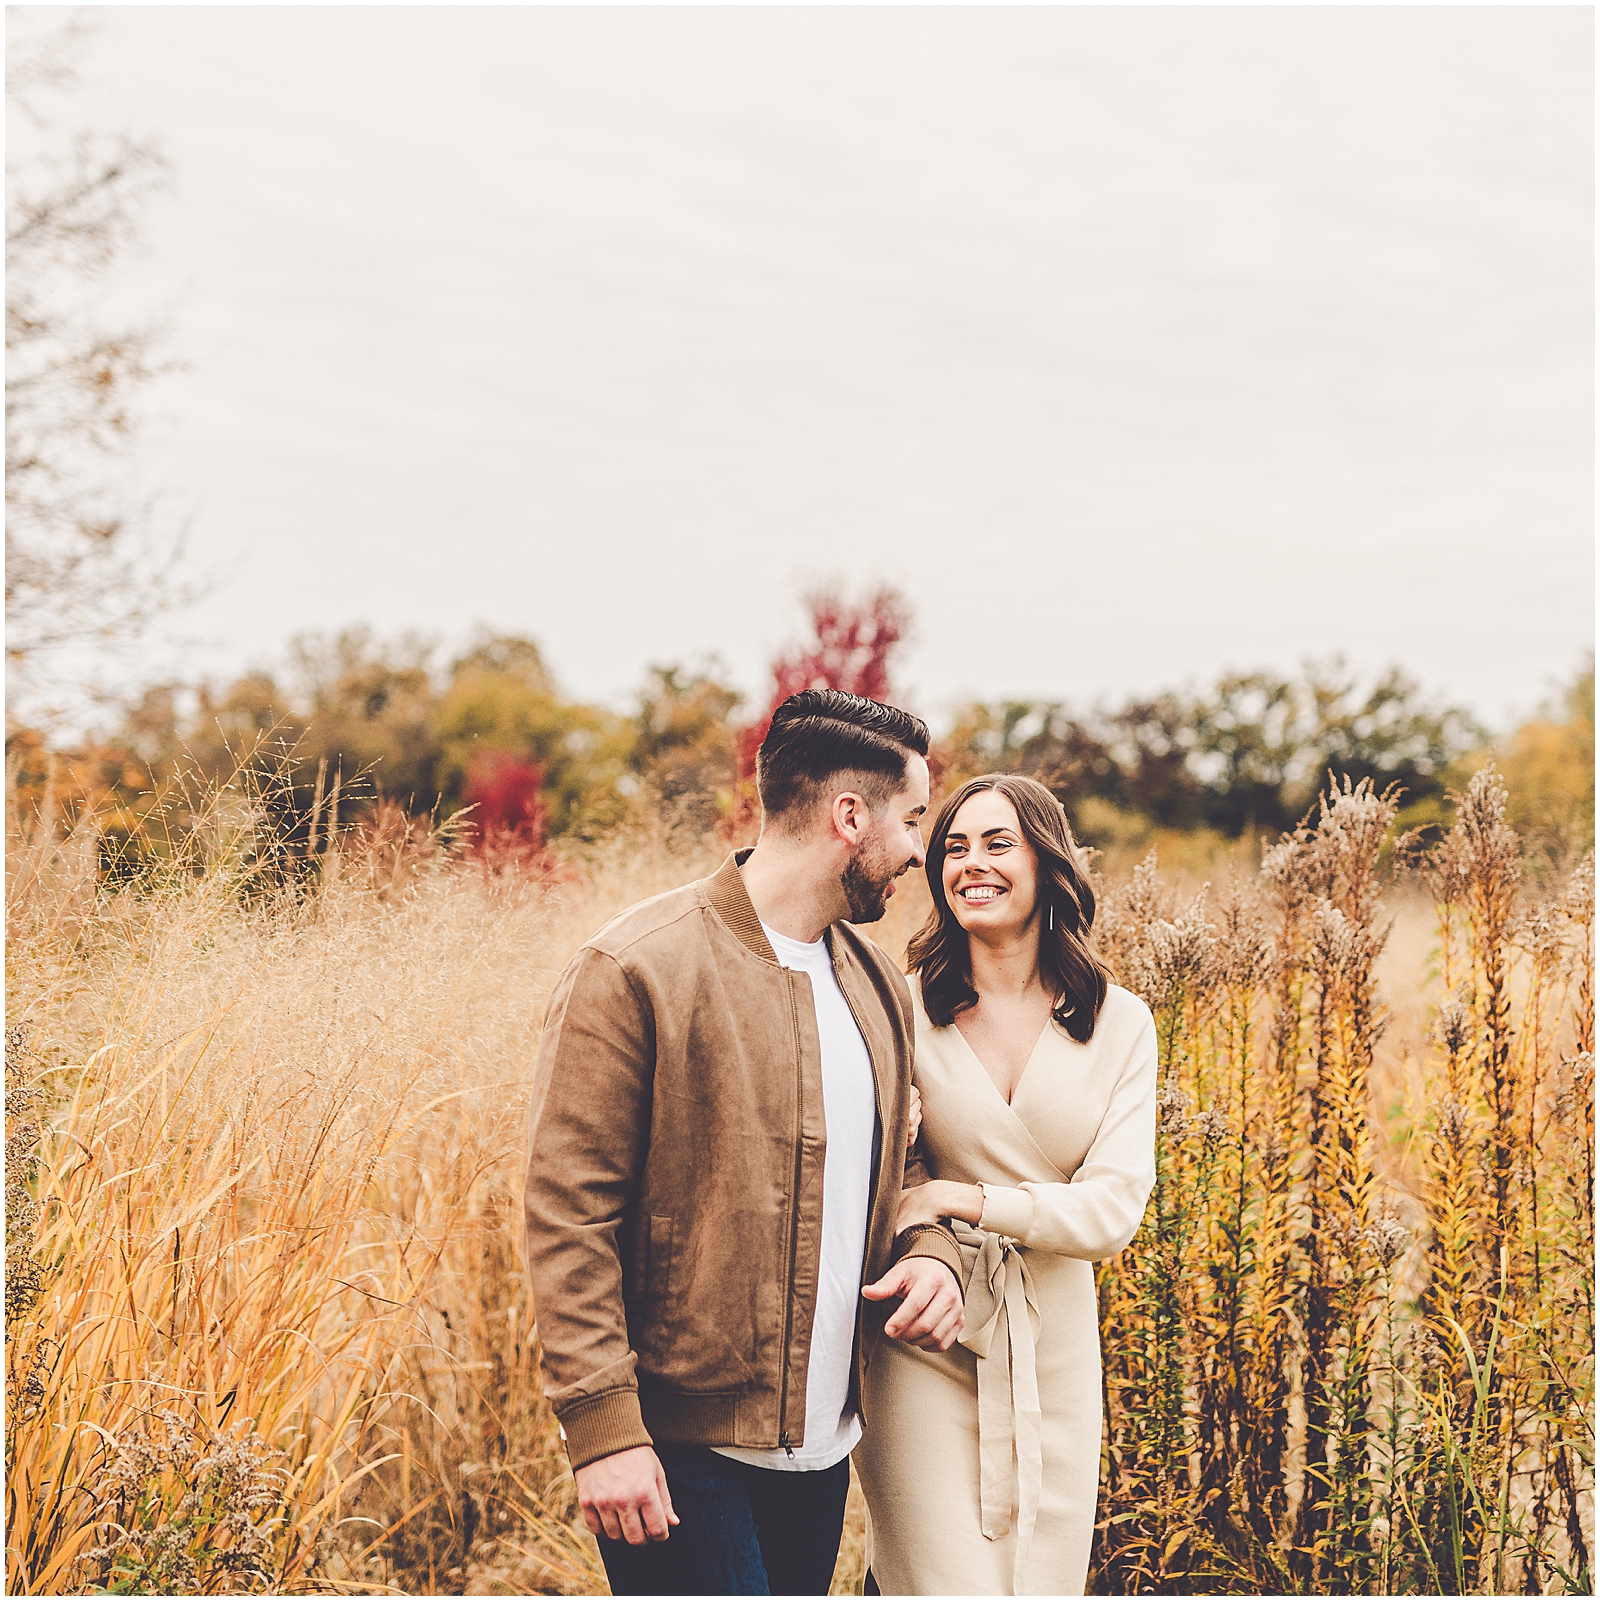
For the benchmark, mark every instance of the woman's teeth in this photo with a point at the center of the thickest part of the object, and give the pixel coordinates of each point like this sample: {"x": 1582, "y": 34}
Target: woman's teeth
{"x": 981, "y": 892}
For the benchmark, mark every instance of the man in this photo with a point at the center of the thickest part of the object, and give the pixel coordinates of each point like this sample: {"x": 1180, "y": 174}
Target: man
{"x": 720, "y": 1122}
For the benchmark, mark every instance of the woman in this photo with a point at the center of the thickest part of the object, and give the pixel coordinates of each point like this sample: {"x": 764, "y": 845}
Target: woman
{"x": 1038, "y": 1079}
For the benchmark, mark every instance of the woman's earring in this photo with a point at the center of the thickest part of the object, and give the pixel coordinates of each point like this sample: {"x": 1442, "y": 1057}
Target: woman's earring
{"x": 1050, "y": 912}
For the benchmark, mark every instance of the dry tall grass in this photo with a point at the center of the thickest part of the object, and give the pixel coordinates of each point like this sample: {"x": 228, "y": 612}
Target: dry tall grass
{"x": 267, "y": 1327}
{"x": 279, "y": 1337}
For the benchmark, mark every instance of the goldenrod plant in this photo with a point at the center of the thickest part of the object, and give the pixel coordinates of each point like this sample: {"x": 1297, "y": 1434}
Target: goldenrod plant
{"x": 1351, "y": 1350}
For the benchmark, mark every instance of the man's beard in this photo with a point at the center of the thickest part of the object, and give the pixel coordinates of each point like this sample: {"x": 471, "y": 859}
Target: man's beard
{"x": 866, "y": 882}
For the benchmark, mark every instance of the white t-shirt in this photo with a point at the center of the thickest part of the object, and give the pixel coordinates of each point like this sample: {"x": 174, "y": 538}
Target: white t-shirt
{"x": 850, "y": 1105}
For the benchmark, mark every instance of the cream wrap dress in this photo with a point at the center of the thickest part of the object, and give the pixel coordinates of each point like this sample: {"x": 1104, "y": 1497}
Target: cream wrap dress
{"x": 981, "y": 1465}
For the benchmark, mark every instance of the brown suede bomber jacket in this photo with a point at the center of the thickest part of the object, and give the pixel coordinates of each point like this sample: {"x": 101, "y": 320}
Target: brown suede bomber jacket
{"x": 674, "y": 1197}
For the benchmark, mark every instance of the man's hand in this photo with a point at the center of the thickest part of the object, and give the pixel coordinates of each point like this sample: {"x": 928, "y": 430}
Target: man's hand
{"x": 914, "y": 1121}
{"x": 930, "y": 1316}
{"x": 625, "y": 1496}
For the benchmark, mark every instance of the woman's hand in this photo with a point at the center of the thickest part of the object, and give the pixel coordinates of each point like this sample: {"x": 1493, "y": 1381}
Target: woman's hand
{"x": 914, "y": 1125}
{"x": 942, "y": 1198}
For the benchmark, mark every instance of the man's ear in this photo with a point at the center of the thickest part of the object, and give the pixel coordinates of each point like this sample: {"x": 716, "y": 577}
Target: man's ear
{"x": 849, "y": 816}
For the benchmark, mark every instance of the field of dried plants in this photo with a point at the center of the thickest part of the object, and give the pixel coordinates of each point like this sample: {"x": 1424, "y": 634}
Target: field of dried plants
{"x": 266, "y": 1325}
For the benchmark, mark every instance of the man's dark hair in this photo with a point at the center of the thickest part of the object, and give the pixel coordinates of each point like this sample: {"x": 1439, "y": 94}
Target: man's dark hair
{"x": 821, "y": 734}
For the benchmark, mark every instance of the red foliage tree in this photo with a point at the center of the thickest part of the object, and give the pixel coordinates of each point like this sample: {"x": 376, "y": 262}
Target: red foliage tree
{"x": 850, "y": 652}
{"x": 505, "y": 791}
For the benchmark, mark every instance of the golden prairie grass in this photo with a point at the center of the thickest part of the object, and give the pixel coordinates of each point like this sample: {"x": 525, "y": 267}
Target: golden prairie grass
{"x": 267, "y": 1327}
{"x": 275, "y": 1162}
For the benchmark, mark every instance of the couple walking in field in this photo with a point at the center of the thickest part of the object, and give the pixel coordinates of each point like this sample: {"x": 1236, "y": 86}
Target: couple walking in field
{"x": 784, "y": 1206}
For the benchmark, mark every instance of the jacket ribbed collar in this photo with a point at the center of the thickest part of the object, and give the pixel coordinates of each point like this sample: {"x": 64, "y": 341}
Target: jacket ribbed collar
{"x": 730, "y": 900}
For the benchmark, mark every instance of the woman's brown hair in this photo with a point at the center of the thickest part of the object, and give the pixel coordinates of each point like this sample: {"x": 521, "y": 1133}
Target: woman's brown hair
{"x": 940, "y": 951}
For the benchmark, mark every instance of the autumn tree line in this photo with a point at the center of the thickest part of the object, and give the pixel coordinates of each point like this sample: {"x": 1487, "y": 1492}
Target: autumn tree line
{"x": 484, "y": 744}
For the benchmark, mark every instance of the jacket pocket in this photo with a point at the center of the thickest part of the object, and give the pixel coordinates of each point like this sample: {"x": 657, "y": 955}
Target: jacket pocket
{"x": 657, "y": 1288}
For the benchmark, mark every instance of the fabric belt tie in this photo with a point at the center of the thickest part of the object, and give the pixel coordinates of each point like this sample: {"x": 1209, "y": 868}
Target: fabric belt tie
{"x": 1001, "y": 1330}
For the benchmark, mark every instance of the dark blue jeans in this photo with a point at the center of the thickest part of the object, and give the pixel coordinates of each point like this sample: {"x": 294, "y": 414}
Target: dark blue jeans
{"x": 741, "y": 1530}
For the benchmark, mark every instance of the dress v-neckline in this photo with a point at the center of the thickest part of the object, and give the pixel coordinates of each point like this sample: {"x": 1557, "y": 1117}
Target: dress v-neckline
{"x": 1010, "y": 1105}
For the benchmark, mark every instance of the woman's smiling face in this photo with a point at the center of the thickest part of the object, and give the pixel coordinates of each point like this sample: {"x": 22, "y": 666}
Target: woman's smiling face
{"x": 990, "y": 871}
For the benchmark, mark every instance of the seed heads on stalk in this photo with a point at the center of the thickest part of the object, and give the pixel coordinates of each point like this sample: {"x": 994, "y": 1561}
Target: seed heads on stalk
{"x": 1424, "y": 1352}
{"x": 1453, "y": 1121}
{"x": 1175, "y": 960}
{"x": 217, "y": 1533}
{"x": 24, "y": 1272}
{"x": 1336, "y": 943}
{"x": 1172, "y": 1112}
{"x": 1453, "y": 1026}
{"x": 1388, "y": 1239}
{"x": 1246, "y": 956}
{"x": 1481, "y": 857}
{"x": 1543, "y": 933}
{"x": 1285, "y": 869}
{"x": 1573, "y": 1071}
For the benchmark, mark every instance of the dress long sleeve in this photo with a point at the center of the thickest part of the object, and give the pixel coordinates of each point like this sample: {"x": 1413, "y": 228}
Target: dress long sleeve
{"x": 1099, "y": 1211}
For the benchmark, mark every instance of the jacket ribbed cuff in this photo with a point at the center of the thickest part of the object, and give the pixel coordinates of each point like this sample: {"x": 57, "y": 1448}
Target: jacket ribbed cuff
{"x": 602, "y": 1425}
{"x": 931, "y": 1239}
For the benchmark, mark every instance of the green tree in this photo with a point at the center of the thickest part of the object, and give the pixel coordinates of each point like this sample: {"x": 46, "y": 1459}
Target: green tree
{"x": 1243, "y": 758}
{"x": 687, "y": 747}
{"x": 1264, "y": 745}
{"x": 500, "y": 702}
{"x": 1548, "y": 767}
{"x": 371, "y": 709}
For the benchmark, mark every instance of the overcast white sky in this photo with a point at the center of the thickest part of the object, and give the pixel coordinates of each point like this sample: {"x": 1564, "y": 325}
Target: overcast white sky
{"x": 1133, "y": 343}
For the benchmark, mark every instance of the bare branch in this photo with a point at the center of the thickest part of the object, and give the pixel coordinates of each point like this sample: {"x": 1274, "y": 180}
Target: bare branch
{"x": 82, "y": 567}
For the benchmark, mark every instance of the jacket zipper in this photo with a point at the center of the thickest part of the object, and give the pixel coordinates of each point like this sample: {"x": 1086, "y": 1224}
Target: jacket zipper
{"x": 794, "y": 1217}
{"x": 872, "y": 1187}
{"x": 877, "y": 1108}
